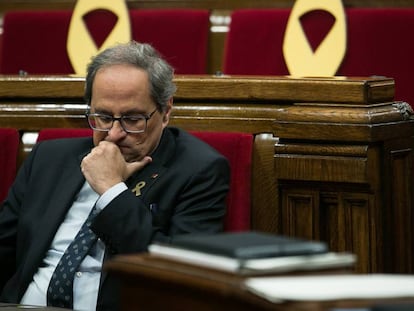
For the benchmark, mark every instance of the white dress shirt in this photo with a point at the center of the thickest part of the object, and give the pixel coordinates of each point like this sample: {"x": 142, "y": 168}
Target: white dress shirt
{"x": 87, "y": 278}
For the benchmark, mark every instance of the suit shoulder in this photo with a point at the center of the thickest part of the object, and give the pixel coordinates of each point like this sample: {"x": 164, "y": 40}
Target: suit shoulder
{"x": 64, "y": 145}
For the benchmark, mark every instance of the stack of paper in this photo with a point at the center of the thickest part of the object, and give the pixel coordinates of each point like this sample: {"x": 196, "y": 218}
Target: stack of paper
{"x": 256, "y": 266}
{"x": 332, "y": 287}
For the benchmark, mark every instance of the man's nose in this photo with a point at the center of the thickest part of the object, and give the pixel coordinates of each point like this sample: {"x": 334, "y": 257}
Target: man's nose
{"x": 116, "y": 131}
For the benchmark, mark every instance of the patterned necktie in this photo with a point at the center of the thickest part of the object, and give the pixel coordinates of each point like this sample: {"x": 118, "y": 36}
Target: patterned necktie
{"x": 60, "y": 291}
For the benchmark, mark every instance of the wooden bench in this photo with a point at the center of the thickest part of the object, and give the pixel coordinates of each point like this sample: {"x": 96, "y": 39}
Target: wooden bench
{"x": 332, "y": 157}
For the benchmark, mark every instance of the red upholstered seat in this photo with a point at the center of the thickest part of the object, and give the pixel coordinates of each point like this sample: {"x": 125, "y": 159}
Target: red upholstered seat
{"x": 378, "y": 43}
{"x": 236, "y": 147}
{"x": 180, "y": 35}
{"x": 255, "y": 39}
{"x": 9, "y": 141}
{"x": 35, "y": 41}
{"x": 254, "y": 42}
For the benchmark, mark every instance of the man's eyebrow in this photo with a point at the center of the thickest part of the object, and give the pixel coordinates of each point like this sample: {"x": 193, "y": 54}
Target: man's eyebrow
{"x": 133, "y": 112}
{"x": 125, "y": 113}
{"x": 102, "y": 111}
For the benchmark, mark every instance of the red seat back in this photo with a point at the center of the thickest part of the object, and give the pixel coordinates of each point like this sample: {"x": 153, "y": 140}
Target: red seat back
{"x": 9, "y": 141}
{"x": 180, "y": 35}
{"x": 254, "y": 42}
{"x": 53, "y": 133}
{"x": 379, "y": 43}
{"x": 236, "y": 147}
{"x": 35, "y": 41}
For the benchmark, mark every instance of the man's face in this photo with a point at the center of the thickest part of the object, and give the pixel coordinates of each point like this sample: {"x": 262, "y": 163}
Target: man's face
{"x": 123, "y": 90}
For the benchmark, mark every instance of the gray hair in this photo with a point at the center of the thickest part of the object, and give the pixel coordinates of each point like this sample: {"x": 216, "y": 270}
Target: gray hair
{"x": 140, "y": 55}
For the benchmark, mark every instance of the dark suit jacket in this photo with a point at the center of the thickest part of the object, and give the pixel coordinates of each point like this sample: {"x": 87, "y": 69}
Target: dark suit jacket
{"x": 185, "y": 189}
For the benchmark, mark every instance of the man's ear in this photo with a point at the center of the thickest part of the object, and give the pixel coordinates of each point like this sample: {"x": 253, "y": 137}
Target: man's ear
{"x": 166, "y": 117}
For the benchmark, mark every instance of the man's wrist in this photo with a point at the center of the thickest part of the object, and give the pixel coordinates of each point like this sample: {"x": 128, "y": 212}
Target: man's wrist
{"x": 110, "y": 194}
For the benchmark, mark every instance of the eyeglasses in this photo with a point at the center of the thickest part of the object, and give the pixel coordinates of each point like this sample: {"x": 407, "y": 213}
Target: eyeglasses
{"x": 130, "y": 124}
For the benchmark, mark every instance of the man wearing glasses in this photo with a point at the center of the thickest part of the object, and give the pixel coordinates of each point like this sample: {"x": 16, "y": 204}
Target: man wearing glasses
{"x": 78, "y": 202}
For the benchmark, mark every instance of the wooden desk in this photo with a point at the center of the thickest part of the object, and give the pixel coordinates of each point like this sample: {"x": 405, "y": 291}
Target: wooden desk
{"x": 152, "y": 283}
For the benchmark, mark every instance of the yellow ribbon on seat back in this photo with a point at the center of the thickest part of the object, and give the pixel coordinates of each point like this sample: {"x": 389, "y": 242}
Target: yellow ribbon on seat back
{"x": 80, "y": 44}
{"x": 299, "y": 56}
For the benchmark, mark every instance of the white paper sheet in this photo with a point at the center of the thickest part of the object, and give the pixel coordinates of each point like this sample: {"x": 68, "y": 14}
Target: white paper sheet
{"x": 332, "y": 287}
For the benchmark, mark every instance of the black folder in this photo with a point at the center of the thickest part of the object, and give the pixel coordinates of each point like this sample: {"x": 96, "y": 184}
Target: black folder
{"x": 249, "y": 245}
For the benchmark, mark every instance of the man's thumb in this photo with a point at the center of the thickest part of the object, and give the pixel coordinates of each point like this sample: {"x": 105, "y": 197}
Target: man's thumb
{"x": 133, "y": 167}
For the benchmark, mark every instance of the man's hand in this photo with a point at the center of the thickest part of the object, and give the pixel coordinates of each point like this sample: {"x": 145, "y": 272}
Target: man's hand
{"x": 105, "y": 166}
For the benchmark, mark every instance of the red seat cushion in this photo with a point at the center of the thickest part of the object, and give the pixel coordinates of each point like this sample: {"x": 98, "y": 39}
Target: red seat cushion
{"x": 9, "y": 141}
